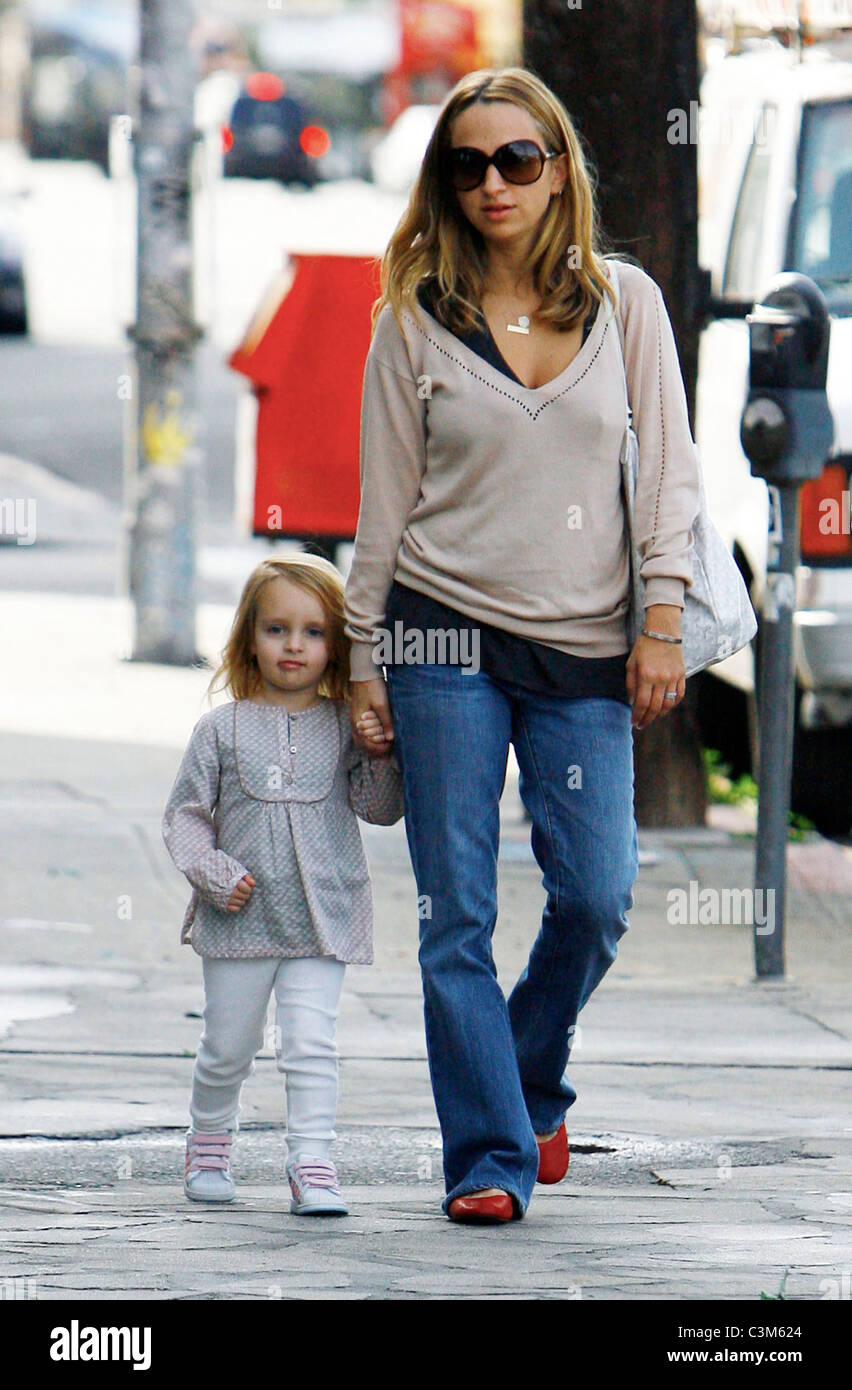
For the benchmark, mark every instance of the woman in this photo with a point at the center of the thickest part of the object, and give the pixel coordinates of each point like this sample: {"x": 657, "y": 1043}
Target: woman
{"x": 491, "y": 514}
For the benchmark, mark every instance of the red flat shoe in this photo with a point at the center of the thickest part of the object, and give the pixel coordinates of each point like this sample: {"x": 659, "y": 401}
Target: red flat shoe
{"x": 484, "y": 1211}
{"x": 553, "y": 1156}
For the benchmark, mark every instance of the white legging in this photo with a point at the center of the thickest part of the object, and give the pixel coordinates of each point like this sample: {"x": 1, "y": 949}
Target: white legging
{"x": 237, "y": 993}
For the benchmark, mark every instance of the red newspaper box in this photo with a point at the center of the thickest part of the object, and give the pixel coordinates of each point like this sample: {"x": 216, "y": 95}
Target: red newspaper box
{"x": 305, "y": 355}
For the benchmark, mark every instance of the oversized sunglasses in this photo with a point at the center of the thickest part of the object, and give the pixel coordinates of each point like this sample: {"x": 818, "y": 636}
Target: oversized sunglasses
{"x": 521, "y": 161}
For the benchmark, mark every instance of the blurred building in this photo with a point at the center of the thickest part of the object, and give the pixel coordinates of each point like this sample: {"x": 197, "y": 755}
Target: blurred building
{"x": 787, "y": 20}
{"x": 14, "y": 60}
{"x": 499, "y": 27}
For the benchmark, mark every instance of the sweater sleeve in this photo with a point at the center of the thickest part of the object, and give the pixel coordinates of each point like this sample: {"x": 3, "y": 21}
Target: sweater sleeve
{"x": 188, "y": 826}
{"x": 375, "y": 788}
{"x": 375, "y": 783}
{"x": 667, "y": 488}
{"x": 393, "y": 460}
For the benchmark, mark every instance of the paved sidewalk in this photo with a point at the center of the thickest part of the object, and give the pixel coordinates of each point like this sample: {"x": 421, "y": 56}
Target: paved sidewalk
{"x": 711, "y": 1141}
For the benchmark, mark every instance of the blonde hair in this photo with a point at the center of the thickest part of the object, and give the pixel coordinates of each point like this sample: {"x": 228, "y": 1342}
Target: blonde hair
{"x": 238, "y": 673}
{"x": 433, "y": 239}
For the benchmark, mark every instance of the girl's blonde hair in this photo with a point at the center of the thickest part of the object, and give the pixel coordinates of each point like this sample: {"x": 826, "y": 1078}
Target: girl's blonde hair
{"x": 434, "y": 240}
{"x": 239, "y": 674}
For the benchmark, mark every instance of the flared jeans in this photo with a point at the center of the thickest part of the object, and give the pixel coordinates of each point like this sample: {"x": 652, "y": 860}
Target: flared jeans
{"x": 498, "y": 1066}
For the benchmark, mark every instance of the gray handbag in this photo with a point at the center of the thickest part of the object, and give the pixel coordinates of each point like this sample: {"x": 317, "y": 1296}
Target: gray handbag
{"x": 718, "y": 618}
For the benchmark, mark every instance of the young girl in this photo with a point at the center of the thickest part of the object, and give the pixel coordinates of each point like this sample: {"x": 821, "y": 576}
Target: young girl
{"x": 262, "y": 821}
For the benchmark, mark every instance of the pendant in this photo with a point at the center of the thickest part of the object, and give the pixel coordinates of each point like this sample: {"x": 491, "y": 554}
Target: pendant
{"x": 522, "y": 326}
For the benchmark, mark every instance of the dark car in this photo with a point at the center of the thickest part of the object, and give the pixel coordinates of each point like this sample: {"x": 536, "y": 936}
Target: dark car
{"x": 73, "y": 88}
{"x": 13, "y": 300}
{"x": 270, "y": 135}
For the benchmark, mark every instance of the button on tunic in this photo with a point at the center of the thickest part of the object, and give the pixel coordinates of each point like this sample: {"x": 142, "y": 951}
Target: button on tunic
{"x": 276, "y": 796}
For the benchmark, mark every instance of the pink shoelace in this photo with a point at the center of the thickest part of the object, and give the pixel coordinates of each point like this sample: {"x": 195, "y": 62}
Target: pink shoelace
{"x": 207, "y": 1151}
{"x": 314, "y": 1174}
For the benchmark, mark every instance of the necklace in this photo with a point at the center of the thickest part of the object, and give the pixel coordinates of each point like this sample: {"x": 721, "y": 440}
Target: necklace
{"x": 522, "y": 326}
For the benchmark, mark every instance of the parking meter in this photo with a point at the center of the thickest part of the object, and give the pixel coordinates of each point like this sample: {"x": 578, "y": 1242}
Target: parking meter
{"x": 787, "y": 427}
{"x": 786, "y": 433}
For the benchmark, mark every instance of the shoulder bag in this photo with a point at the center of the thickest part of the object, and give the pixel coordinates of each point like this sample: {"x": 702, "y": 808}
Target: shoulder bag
{"x": 718, "y": 618}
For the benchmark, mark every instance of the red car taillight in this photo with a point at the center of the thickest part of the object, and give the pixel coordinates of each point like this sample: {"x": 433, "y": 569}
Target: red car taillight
{"x": 264, "y": 86}
{"x": 824, "y": 516}
{"x": 315, "y": 141}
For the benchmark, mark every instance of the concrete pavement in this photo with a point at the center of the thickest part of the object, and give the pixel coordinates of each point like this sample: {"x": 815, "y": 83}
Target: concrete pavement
{"x": 711, "y": 1141}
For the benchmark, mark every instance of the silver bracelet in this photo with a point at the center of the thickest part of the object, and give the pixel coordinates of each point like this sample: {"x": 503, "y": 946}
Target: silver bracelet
{"x": 662, "y": 637}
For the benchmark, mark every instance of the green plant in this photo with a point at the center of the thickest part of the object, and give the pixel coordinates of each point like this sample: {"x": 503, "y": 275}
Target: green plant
{"x": 726, "y": 790}
{"x": 780, "y": 1294}
{"x": 721, "y": 787}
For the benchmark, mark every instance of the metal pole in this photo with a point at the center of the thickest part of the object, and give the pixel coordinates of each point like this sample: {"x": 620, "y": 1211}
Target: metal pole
{"x": 776, "y": 732}
{"x": 163, "y": 505}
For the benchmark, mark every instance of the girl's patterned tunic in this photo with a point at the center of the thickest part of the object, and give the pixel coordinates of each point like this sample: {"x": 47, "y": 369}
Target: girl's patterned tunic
{"x": 276, "y": 795}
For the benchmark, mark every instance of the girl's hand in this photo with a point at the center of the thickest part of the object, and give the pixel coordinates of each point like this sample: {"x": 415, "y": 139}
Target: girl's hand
{"x": 371, "y": 730}
{"x": 371, "y": 698}
{"x": 654, "y": 668}
{"x": 241, "y": 893}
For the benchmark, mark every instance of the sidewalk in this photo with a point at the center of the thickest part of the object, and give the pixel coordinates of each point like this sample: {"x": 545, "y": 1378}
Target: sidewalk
{"x": 711, "y": 1141}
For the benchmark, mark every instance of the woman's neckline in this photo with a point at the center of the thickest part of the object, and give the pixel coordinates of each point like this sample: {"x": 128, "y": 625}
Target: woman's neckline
{"x": 532, "y": 390}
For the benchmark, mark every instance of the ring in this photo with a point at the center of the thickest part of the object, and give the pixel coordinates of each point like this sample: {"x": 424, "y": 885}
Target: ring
{"x": 670, "y": 695}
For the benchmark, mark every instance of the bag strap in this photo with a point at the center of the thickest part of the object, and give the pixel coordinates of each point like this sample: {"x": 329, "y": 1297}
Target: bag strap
{"x": 619, "y": 323}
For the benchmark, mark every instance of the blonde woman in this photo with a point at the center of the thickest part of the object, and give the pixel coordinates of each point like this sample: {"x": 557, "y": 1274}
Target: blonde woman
{"x": 490, "y": 579}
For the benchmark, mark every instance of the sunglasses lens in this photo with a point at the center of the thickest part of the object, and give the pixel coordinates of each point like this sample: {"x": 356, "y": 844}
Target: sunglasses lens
{"x": 466, "y": 167}
{"x": 520, "y": 161}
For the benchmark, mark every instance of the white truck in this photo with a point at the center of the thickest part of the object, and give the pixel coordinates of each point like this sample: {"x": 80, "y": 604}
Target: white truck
{"x": 775, "y": 180}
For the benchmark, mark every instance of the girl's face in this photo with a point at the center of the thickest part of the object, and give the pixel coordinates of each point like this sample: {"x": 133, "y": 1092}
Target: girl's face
{"x": 504, "y": 212}
{"x": 292, "y": 642}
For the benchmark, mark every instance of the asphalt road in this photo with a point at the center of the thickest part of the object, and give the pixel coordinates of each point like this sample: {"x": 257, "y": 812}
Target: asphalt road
{"x": 60, "y": 408}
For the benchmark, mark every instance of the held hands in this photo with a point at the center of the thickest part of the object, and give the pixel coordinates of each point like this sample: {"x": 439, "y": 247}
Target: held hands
{"x": 371, "y": 730}
{"x": 241, "y": 894}
{"x": 369, "y": 712}
{"x": 655, "y": 668}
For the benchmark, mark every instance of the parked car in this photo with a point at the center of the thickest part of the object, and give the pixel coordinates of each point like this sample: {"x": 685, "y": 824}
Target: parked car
{"x": 397, "y": 157}
{"x": 271, "y": 134}
{"x": 350, "y": 114}
{"x": 74, "y": 86}
{"x": 13, "y": 299}
{"x": 775, "y": 171}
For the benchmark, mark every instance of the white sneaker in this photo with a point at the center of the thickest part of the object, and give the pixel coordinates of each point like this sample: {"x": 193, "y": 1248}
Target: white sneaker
{"x": 314, "y": 1185}
{"x": 207, "y": 1170}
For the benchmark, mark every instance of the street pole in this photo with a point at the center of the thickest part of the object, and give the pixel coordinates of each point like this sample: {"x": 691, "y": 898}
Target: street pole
{"x": 775, "y": 697}
{"x": 786, "y": 432}
{"x": 163, "y": 505}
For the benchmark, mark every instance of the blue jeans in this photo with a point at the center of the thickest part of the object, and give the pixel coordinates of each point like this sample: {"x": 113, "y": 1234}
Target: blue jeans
{"x": 498, "y": 1066}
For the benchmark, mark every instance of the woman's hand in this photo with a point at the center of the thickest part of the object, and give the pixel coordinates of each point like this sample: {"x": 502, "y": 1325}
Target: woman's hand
{"x": 655, "y": 668}
{"x": 370, "y": 716}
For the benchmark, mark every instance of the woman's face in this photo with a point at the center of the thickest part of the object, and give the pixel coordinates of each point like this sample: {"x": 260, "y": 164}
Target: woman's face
{"x": 503, "y": 212}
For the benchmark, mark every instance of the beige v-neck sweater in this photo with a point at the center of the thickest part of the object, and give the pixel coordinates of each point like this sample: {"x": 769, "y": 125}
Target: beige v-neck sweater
{"x": 504, "y": 502}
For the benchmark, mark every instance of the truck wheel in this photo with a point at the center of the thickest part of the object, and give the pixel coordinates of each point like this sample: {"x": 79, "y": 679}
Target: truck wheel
{"x": 822, "y": 778}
